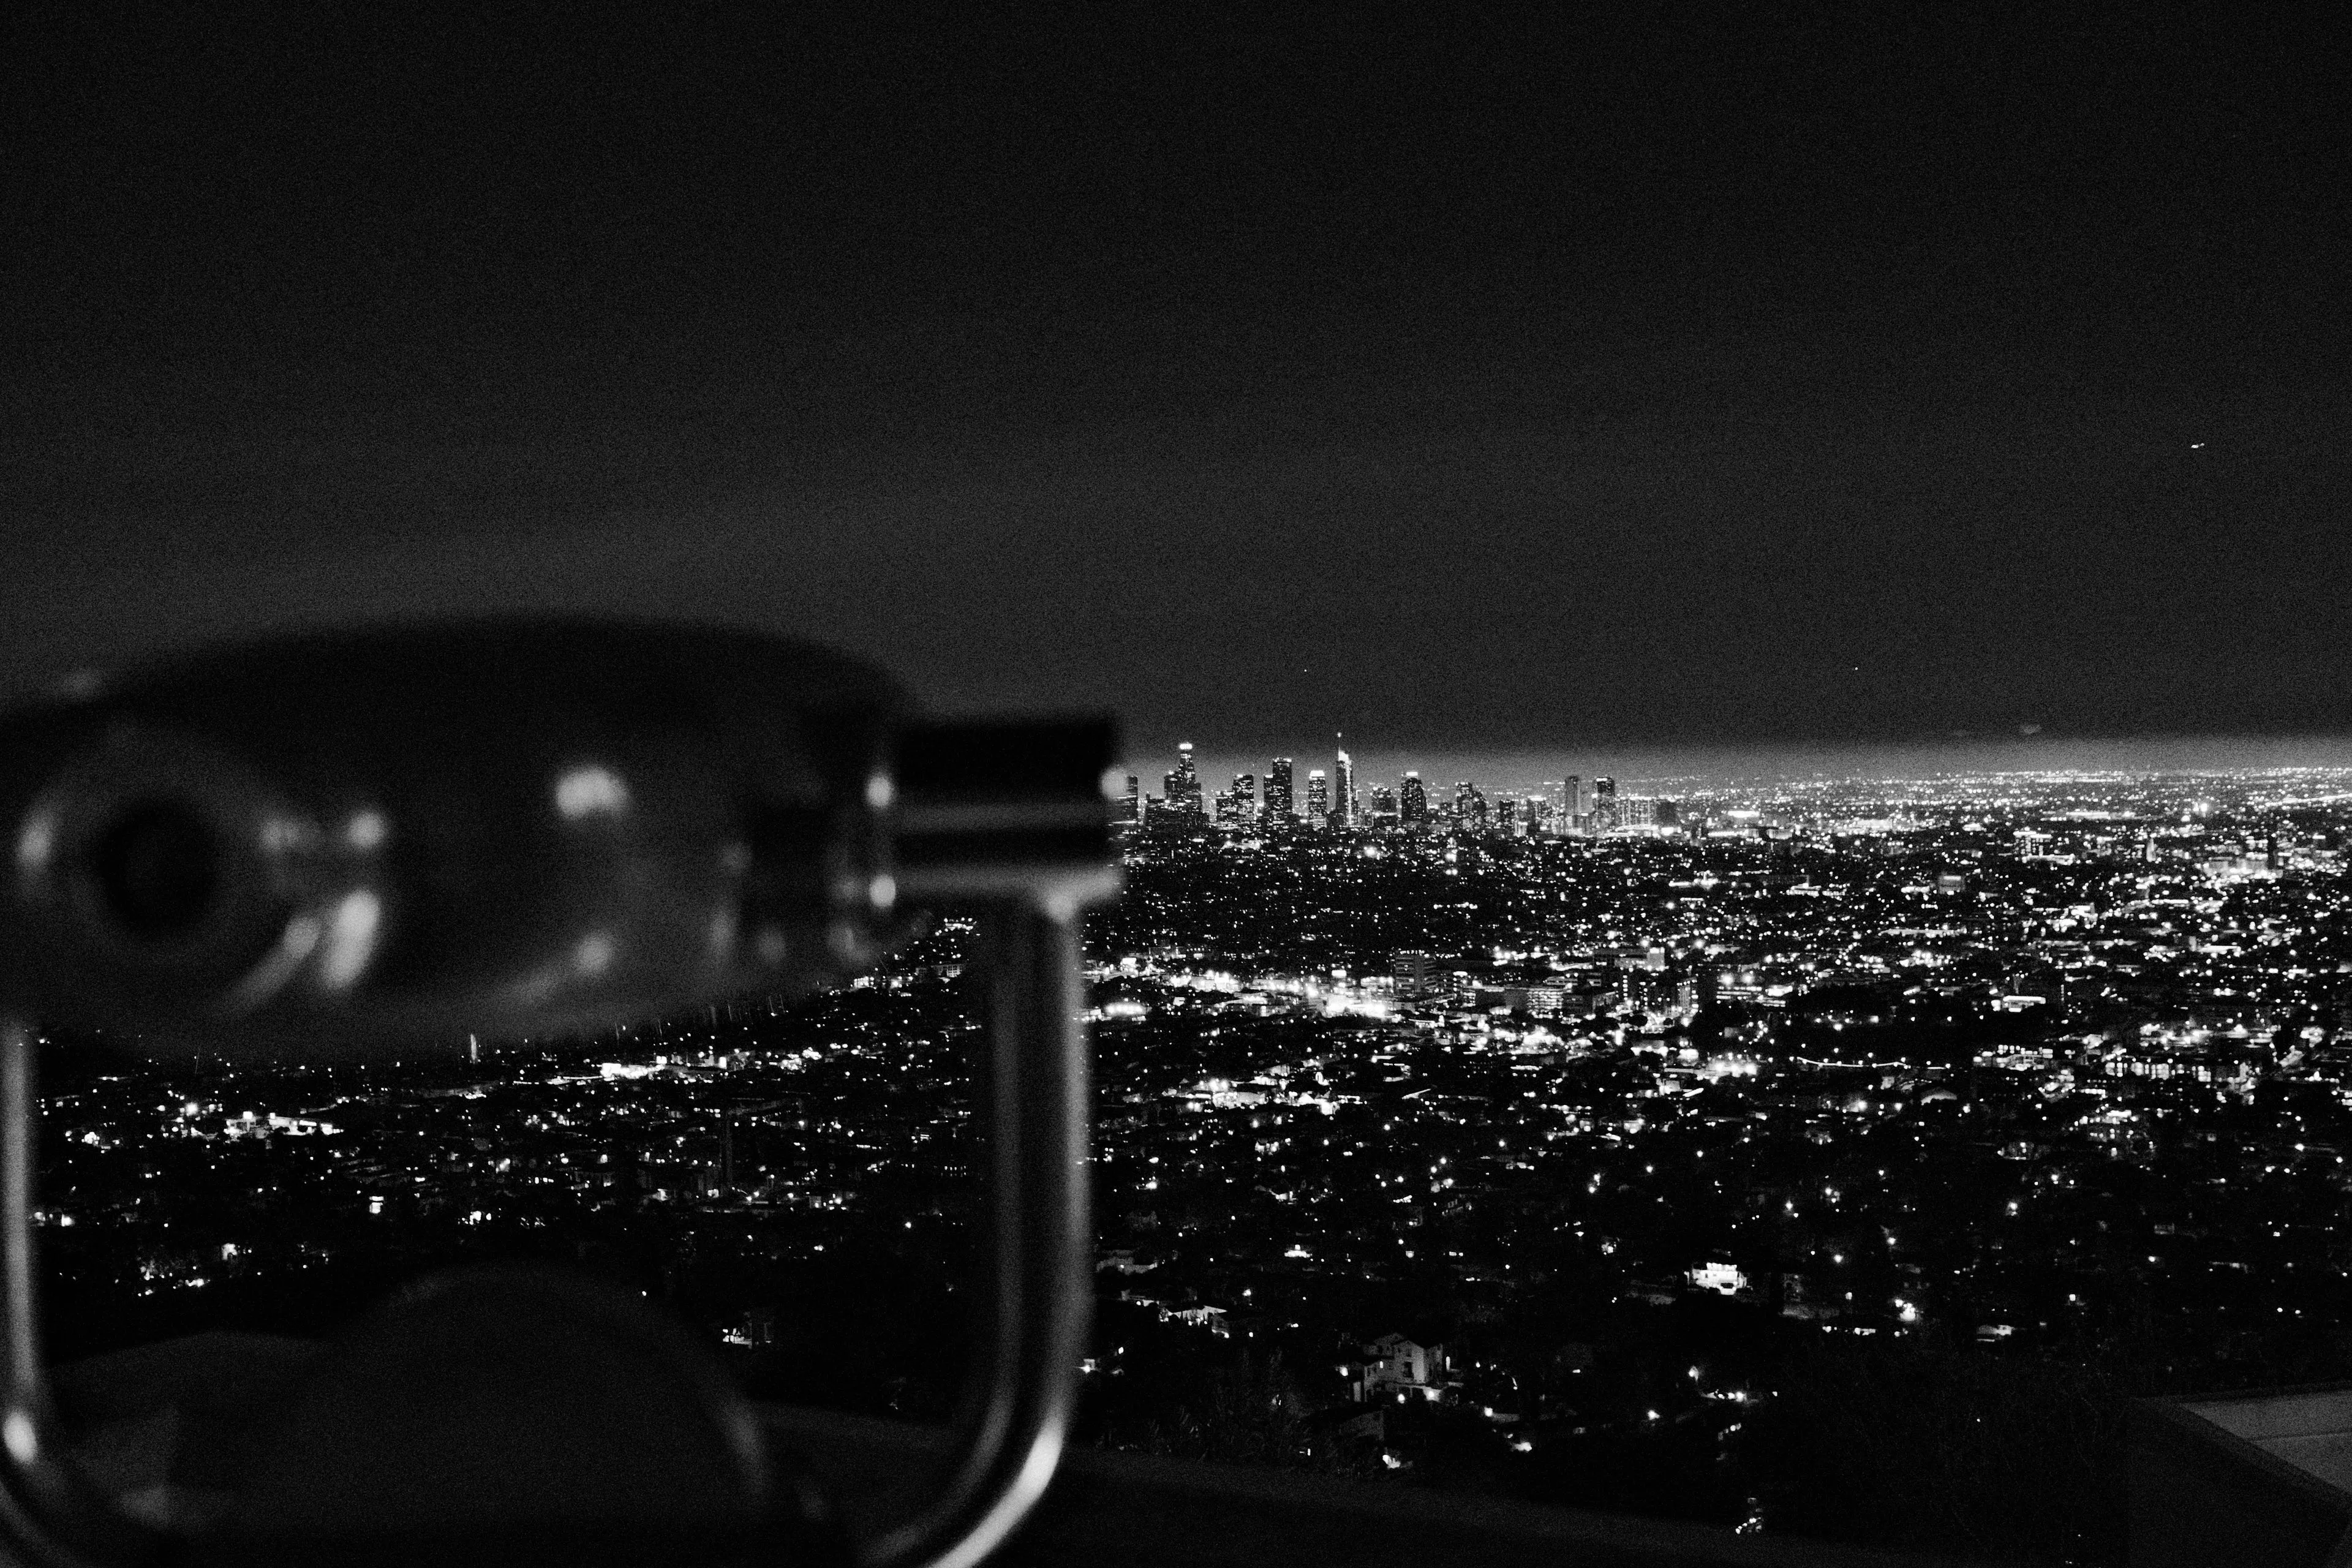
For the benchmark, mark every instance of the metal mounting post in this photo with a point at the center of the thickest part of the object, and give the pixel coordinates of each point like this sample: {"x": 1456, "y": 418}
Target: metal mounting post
{"x": 1037, "y": 1298}
{"x": 49, "y": 1517}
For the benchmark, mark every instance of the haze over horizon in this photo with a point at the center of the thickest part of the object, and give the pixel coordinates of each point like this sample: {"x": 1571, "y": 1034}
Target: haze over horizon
{"x": 1521, "y": 770}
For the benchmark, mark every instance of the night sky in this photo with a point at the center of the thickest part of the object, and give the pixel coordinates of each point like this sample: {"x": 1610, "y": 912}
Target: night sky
{"x": 1843, "y": 373}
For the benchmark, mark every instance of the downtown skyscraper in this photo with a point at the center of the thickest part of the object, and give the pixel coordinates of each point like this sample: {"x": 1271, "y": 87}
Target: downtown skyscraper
{"x": 1277, "y": 789}
{"x": 1184, "y": 782}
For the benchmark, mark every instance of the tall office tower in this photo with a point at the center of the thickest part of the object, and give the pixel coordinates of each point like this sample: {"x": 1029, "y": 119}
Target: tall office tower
{"x": 1637, "y": 811}
{"x": 1130, "y": 805}
{"x": 1413, "y": 801}
{"x": 1571, "y": 797}
{"x": 1343, "y": 792}
{"x": 1318, "y": 797}
{"x": 1604, "y": 805}
{"x": 1245, "y": 795}
{"x": 1539, "y": 814}
{"x": 1417, "y": 973}
{"x": 1183, "y": 783}
{"x": 1277, "y": 788}
{"x": 1506, "y": 817}
{"x": 1383, "y": 808}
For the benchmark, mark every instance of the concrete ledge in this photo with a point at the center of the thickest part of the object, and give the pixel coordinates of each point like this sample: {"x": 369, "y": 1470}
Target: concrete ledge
{"x": 2204, "y": 1496}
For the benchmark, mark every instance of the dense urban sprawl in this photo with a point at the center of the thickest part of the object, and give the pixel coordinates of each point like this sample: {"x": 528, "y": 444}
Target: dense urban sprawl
{"x": 1745, "y": 1151}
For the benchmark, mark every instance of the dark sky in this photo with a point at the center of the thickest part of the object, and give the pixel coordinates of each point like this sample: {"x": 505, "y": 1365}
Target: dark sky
{"x": 1839, "y": 373}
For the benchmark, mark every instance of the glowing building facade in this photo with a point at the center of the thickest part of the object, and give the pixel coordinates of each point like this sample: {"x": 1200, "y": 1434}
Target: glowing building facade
{"x": 1412, "y": 800}
{"x": 1277, "y": 789}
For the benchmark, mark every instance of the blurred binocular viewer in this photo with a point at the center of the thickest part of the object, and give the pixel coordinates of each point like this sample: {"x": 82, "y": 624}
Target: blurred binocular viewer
{"x": 334, "y": 846}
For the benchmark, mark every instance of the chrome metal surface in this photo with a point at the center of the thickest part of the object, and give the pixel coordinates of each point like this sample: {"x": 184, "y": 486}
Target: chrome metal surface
{"x": 395, "y": 837}
{"x": 400, "y": 837}
{"x": 49, "y": 1517}
{"x": 1037, "y": 1286}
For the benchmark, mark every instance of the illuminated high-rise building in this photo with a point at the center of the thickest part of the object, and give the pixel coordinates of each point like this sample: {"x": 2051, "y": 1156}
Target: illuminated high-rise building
{"x": 1604, "y": 805}
{"x": 1245, "y": 795}
{"x": 1506, "y": 817}
{"x": 1416, "y": 973}
{"x": 1277, "y": 788}
{"x": 1412, "y": 800}
{"x": 1183, "y": 783}
{"x": 1382, "y": 808}
{"x": 1343, "y": 792}
{"x": 1318, "y": 797}
{"x": 1571, "y": 797}
{"x": 1131, "y": 805}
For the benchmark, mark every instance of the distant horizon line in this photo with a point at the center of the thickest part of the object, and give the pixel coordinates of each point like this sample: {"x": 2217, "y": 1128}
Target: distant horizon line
{"x": 2036, "y": 754}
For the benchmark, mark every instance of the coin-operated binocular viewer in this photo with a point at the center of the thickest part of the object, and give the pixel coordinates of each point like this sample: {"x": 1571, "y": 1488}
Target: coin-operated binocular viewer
{"x": 340, "y": 845}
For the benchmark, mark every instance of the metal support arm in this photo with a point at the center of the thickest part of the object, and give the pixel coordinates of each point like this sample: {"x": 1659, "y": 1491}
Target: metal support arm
{"x": 1033, "y": 1315}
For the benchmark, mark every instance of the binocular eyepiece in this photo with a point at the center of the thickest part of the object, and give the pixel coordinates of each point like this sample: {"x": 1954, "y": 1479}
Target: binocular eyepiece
{"x": 158, "y": 871}
{"x": 335, "y": 843}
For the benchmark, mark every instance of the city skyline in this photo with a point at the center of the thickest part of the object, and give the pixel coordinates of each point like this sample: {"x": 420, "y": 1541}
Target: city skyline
{"x": 1527, "y": 770}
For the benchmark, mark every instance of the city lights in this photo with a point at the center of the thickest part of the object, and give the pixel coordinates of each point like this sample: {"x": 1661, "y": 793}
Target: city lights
{"x": 1851, "y": 1061}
